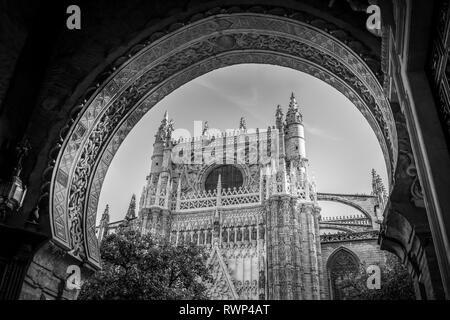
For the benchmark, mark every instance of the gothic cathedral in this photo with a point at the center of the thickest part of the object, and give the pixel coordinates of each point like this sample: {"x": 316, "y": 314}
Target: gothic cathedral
{"x": 247, "y": 196}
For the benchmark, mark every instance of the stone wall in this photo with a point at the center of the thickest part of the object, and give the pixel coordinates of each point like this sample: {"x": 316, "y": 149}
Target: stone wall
{"x": 46, "y": 276}
{"x": 367, "y": 251}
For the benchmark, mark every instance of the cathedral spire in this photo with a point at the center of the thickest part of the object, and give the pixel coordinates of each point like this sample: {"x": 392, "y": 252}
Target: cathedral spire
{"x": 378, "y": 188}
{"x": 293, "y": 115}
{"x": 374, "y": 181}
{"x": 205, "y": 127}
{"x": 279, "y": 117}
{"x": 293, "y": 102}
{"x": 104, "y": 222}
{"x": 242, "y": 124}
{"x": 105, "y": 214}
{"x": 131, "y": 213}
{"x": 165, "y": 129}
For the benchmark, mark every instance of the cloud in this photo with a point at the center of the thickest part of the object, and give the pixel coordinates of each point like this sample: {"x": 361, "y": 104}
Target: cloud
{"x": 245, "y": 100}
{"x": 318, "y": 132}
{"x": 230, "y": 94}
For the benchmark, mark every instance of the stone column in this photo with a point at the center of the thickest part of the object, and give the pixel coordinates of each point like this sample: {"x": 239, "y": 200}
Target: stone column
{"x": 314, "y": 270}
{"x": 305, "y": 255}
{"x": 287, "y": 247}
{"x": 297, "y": 254}
{"x": 291, "y": 250}
{"x": 316, "y": 213}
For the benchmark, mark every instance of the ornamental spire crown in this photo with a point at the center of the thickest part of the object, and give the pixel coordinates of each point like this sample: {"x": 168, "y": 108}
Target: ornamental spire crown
{"x": 105, "y": 215}
{"x": 279, "y": 117}
{"x": 205, "y": 127}
{"x": 293, "y": 115}
{"x": 131, "y": 213}
{"x": 378, "y": 188}
{"x": 165, "y": 129}
{"x": 242, "y": 124}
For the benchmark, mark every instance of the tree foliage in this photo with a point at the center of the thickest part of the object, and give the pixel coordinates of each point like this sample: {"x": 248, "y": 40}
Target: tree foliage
{"x": 396, "y": 283}
{"x": 136, "y": 267}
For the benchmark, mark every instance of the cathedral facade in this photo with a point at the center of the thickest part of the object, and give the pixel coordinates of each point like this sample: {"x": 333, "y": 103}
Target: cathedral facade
{"x": 248, "y": 197}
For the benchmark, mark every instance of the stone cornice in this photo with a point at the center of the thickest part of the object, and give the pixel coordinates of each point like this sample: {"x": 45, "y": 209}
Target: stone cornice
{"x": 354, "y": 236}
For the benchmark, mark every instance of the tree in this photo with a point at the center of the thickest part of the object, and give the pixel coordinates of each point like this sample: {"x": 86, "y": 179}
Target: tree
{"x": 136, "y": 267}
{"x": 396, "y": 283}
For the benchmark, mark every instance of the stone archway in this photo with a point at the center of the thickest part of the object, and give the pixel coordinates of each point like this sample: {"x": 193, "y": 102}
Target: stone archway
{"x": 342, "y": 264}
{"x": 162, "y": 65}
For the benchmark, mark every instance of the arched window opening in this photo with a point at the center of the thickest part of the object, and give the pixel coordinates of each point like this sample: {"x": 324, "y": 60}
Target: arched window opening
{"x": 343, "y": 267}
{"x": 230, "y": 177}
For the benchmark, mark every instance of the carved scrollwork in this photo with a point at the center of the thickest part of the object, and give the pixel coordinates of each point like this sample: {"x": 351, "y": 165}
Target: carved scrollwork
{"x": 338, "y": 237}
{"x": 99, "y": 136}
{"x": 415, "y": 187}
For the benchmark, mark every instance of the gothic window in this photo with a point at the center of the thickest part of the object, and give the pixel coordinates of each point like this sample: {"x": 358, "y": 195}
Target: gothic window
{"x": 195, "y": 237}
{"x": 231, "y": 235}
{"x": 343, "y": 265}
{"x": 230, "y": 177}
{"x": 239, "y": 235}
{"x": 181, "y": 237}
{"x": 202, "y": 236}
{"x": 261, "y": 232}
{"x": 246, "y": 234}
{"x": 224, "y": 235}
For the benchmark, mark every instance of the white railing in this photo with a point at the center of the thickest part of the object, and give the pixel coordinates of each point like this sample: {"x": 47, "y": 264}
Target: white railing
{"x": 241, "y": 196}
{"x": 354, "y": 220}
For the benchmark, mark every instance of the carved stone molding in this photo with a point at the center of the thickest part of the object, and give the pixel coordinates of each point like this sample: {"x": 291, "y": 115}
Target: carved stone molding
{"x": 439, "y": 64}
{"x": 162, "y": 66}
{"x": 407, "y": 166}
{"x": 340, "y": 237}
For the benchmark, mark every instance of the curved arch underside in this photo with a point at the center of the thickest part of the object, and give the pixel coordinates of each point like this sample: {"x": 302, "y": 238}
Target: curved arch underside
{"x": 363, "y": 203}
{"x": 166, "y": 64}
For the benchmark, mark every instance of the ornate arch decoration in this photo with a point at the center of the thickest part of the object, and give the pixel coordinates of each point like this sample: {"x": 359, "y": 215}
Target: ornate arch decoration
{"x": 161, "y": 66}
{"x": 206, "y": 170}
{"x": 341, "y": 262}
{"x": 332, "y": 258}
{"x": 343, "y": 200}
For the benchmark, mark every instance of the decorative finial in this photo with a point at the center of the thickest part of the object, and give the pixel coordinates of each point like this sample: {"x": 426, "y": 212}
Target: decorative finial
{"x": 165, "y": 129}
{"x": 242, "y": 124}
{"x": 205, "y": 127}
{"x": 293, "y": 115}
{"x": 106, "y": 212}
{"x": 292, "y": 102}
{"x": 104, "y": 222}
{"x": 374, "y": 181}
{"x": 131, "y": 213}
{"x": 279, "y": 117}
{"x": 378, "y": 188}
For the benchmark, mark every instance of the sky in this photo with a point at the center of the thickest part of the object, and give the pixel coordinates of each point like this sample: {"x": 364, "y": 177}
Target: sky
{"x": 341, "y": 146}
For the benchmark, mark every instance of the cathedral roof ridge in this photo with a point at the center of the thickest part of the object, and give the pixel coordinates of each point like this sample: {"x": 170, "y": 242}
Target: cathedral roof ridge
{"x": 223, "y": 134}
